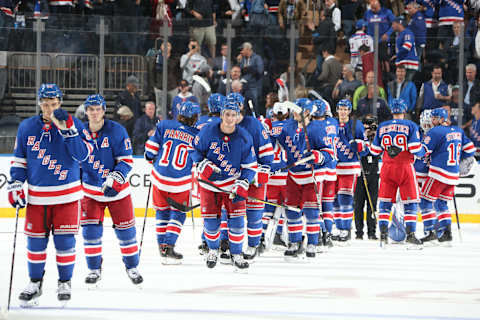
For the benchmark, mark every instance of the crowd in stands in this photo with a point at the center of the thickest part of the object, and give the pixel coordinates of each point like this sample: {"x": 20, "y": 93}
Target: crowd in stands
{"x": 418, "y": 49}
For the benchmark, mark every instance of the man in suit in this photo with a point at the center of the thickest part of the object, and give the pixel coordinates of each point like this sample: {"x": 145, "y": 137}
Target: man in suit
{"x": 252, "y": 70}
{"x": 220, "y": 64}
{"x": 471, "y": 93}
{"x": 331, "y": 73}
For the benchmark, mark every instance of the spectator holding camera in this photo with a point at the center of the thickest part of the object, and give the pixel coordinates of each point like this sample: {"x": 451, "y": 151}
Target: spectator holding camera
{"x": 192, "y": 61}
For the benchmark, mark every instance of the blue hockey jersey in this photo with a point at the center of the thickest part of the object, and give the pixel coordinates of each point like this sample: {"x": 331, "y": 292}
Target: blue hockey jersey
{"x": 429, "y": 11}
{"x": 261, "y": 140}
{"x": 49, "y": 162}
{"x": 403, "y": 134}
{"x": 384, "y": 18}
{"x": 279, "y": 158}
{"x": 419, "y": 28}
{"x": 348, "y": 162}
{"x": 233, "y": 154}
{"x": 450, "y": 11}
{"x": 172, "y": 169}
{"x": 406, "y": 52}
{"x": 447, "y": 145}
{"x": 112, "y": 152}
{"x": 292, "y": 138}
{"x": 329, "y": 171}
{"x": 475, "y": 134}
{"x": 421, "y": 165}
{"x": 204, "y": 120}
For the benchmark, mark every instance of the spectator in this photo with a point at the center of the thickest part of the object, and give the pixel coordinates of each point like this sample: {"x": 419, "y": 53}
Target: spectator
{"x": 183, "y": 95}
{"x": 252, "y": 70}
{"x": 237, "y": 87}
{"x": 270, "y": 100}
{"x": 192, "y": 61}
{"x": 346, "y": 86}
{"x": 367, "y": 56}
{"x": 203, "y": 26}
{"x": 449, "y": 12}
{"x": 433, "y": 93}
{"x": 365, "y": 106}
{"x": 418, "y": 26}
{"x": 173, "y": 73}
{"x": 290, "y": 11}
{"x": 397, "y": 7}
{"x": 475, "y": 128}
{"x": 220, "y": 64}
{"x": 235, "y": 74}
{"x": 471, "y": 91}
{"x": 471, "y": 45}
{"x": 331, "y": 72}
{"x": 144, "y": 128}
{"x": 334, "y": 13}
{"x": 362, "y": 91}
{"x": 7, "y": 12}
{"x": 349, "y": 8}
{"x": 385, "y": 18}
{"x": 273, "y": 11}
{"x": 406, "y": 53}
{"x": 429, "y": 8}
{"x": 452, "y": 47}
{"x": 452, "y": 107}
{"x": 126, "y": 119}
{"x": 403, "y": 89}
{"x": 130, "y": 98}
{"x": 199, "y": 90}
{"x": 324, "y": 38}
{"x": 359, "y": 38}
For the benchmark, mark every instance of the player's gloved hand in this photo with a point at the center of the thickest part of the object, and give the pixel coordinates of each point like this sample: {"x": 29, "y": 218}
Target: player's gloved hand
{"x": 393, "y": 151}
{"x": 315, "y": 157}
{"x": 113, "y": 184}
{"x": 263, "y": 173}
{"x": 239, "y": 191}
{"x": 356, "y": 145}
{"x": 64, "y": 123}
{"x": 149, "y": 157}
{"x": 16, "y": 196}
{"x": 208, "y": 170}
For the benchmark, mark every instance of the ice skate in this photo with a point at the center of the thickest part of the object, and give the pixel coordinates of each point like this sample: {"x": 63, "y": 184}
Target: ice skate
{"x": 250, "y": 253}
{"x": 413, "y": 243}
{"x": 170, "y": 256}
{"x": 383, "y": 237}
{"x": 64, "y": 292}
{"x": 344, "y": 237}
{"x": 93, "y": 278}
{"x": 311, "y": 251}
{"x": 211, "y": 258}
{"x": 327, "y": 240}
{"x": 278, "y": 243}
{"x": 291, "y": 254}
{"x": 261, "y": 247}
{"x": 135, "y": 276}
{"x": 29, "y": 296}
{"x": 445, "y": 238}
{"x": 430, "y": 239}
{"x": 239, "y": 263}
{"x": 203, "y": 248}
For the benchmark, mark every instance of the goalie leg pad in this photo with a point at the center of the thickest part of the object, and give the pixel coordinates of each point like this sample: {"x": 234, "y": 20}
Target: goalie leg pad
{"x": 444, "y": 215}
{"x": 211, "y": 230}
{"x": 295, "y": 226}
{"x": 37, "y": 256}
{"x": 281, "y": 222}
{"x": 224, "y": 225}
{"x": 236, "y": 230}
{"x": 162, "y": 218}
{"x": 429, "y": 217}
{"x": 65, "y": 246}
{"x": 411, "y": 216}
{"x": 128, "y": 246}
{"x": 384, "y": 209}
{"x": 313, "y": 225}
{"x": 92, "y": 243}
{"x": 174, "y": 227}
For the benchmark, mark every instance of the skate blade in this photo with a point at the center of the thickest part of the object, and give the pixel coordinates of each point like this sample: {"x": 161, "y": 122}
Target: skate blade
{"x": 240, "y": 271}
{"x": 63, "y": 303}
{"x": 226, "y": 261}
{"x": 278, "y": 247}
{"x": 321, "y": 249}
{"x": 92, "y": 286}
{"x": 168, "y": 261}
{"x": 29, "y": 304}
{"x": 446, "y": 244}
{"x": 431, "y": 244}
{"x": 414, "y": 247}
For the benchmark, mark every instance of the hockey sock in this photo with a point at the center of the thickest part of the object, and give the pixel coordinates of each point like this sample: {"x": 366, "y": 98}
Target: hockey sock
{"x": 224, "y": 225}
{"x": 174, "y": 227}
{"x": 411, "y": 216}
{"x": 36, "y": 255}
{"x": 162, "y": 218}
{"x": 65, "y": 246}
{"x": 429, "y": 216}
{"x": 281, "y": 221}
{"x": 337, "y": 214}
{"x": 254, "y": 226}
{"x": 236, "y": 230}
{"x": 211, "y": 229}
{"x": 384, "y": 209}
{"x": 92, "y": 242}
{"x": 346, "y": 210}
{"x": 444, "y": 216}
{"x": 268, "y": 213}
{"x": 313, "y": 225}
{"x": 327, "y": 208}
{"x": 295, "y": 226}
{"x": 128, "y": 246}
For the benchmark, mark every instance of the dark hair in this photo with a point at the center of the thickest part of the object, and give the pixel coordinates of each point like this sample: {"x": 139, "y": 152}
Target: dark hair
{"x": 401, "y": 66}
{"x": 437, "y": 66}
{"x": 364, "y": 47}
{"x": 187, "y": 121}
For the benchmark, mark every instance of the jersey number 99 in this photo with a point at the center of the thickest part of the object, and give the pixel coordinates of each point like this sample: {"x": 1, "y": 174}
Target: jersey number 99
{"x": 400, "y": 140}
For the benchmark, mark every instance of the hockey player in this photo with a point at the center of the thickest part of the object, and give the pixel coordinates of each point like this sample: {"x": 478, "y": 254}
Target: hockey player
{"x": 446, "y": 146}
{"x": 224, "y": 155}
{"x": 264, "y": 156}
{"x": 215, "y": 103}
{"x": 301, "y": 191}
{"x": 104, "y": 180}
{"x": 48, "y": 150}
{"x": 169, "y": 148}
{"x": 400, "y": 139}
{"x": 421, "y": 164}
{"x": 351, "y": 144}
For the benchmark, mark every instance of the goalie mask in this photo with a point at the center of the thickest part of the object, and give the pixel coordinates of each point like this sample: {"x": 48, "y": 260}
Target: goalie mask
{"x": 426, "y": 120}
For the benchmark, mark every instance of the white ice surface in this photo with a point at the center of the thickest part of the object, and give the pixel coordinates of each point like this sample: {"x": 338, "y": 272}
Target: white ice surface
{"x": 360, "y": 281}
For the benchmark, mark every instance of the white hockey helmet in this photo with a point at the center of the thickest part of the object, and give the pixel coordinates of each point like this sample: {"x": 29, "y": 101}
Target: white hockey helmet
{"x": 279, "y": 107}
{"x": 426, "y": 120}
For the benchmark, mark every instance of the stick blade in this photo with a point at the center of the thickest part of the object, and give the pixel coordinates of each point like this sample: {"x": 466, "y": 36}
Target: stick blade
{"x": 293, "y": 107}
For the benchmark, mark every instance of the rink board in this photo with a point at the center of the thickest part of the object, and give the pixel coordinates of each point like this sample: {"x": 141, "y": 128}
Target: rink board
{"x": 468, "y": 199}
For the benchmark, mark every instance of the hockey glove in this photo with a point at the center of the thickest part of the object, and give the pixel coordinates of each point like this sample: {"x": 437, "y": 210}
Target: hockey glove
{"x": 208, "y": 170}
{"x": 64, "y": 123}
{"x": 148, "y": 158}
{"x": 356, "y": 145}
{"x": 393, "y": 151}
{"x": 263, "y": 173}
{"x": 239, "y": 191}
{"x": 315, "y": 157}
{"x": 113, "y": 184}
{"x": 16, "y": 196}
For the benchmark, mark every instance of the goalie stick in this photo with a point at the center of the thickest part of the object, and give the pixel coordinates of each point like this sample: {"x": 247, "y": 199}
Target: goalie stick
{"x": 251, "y": 198}
{"x": 202, "y": 82}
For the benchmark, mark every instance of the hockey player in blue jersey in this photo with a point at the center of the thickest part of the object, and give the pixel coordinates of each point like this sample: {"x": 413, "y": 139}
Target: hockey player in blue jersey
{"x": 225, "y": 156}
{"x": 446, "y": 147}
{"x": 104, "y": 181}
{"x": 301, "y": 191}
{"x": 399, "y": 140}
{"x": 215, "y": 103}
{"x": 48, "y": 150}
{"x": 169, "y": 149}
{"x": 352, "y": 143}
{"x": 264, "y": 156}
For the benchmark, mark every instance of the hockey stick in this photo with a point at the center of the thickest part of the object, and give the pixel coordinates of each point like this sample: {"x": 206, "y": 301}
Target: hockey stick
{"x": 144, "y": 220}
{"x": 202, "y": 82}
{"x": 250, "y": 105}
{"x": 13, "y": 257}
{"x": 250, "y": 198}
{"x": 182, "y": 207}
{"x": 456, "y": 215}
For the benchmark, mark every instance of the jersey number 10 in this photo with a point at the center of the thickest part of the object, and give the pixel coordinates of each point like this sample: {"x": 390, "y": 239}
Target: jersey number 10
{"x": 180, "y": 155}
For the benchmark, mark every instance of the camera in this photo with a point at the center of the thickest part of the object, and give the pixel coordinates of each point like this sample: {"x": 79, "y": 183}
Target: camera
{"x": 370, "y": 123}
{"x": 194, "y": 47}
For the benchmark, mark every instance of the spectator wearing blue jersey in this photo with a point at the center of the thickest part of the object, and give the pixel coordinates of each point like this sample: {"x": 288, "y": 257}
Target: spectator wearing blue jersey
{"x": 384, "y": 17}
{"x": 406, "y": 53}
{"x": 418, "y": 26}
